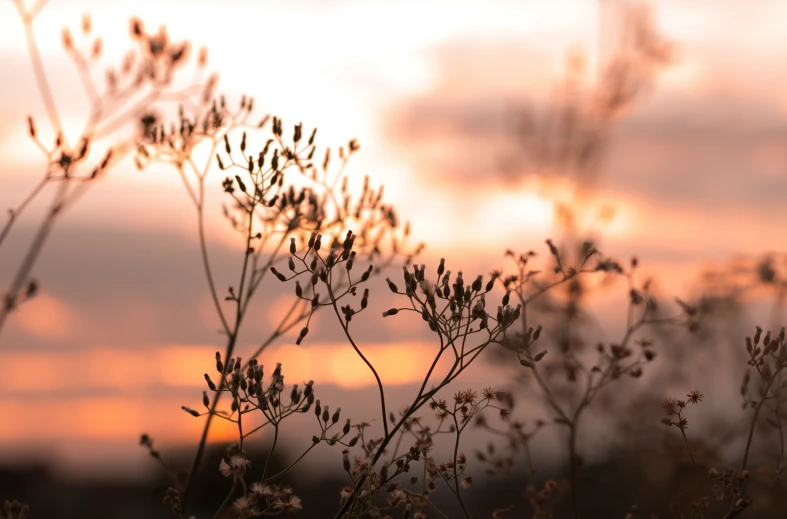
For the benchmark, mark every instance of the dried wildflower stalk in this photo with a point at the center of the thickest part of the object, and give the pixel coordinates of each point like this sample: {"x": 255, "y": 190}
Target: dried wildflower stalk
{"x": 769, "y": 360}
{"x": 267, "y": 210}
{"x": 144, "y": 79}
{"x": 768, "y": 356}
{"x": 455, "y": 312}
{"x": 612, "y": 362}
{"x": 271, "y": 404}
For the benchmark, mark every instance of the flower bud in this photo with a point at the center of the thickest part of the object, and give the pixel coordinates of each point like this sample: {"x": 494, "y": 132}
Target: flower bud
{"x": 278, "y": 274}
{"x": 477, "y": 283}
{"x": 348, "y": 241}
{"x": 537, "y": 333}
{"x": 190, "y": 411}
{"x": 331, "y": 259}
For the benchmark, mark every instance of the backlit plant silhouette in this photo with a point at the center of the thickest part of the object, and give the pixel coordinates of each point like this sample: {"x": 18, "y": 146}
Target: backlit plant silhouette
{"x": 144, "y": 79}
{"x": 301, "y": 225}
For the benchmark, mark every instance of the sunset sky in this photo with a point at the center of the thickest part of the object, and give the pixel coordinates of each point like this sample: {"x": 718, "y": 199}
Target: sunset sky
{"x": 696, "y": 172}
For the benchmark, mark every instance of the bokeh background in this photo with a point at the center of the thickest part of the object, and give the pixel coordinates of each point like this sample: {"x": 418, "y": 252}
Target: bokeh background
{"x": 445, "y": 99}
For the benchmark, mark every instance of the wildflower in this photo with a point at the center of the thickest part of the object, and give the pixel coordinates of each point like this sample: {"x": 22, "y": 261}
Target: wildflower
{"x": 289, "y": 504}
{"x": 489, "y": 393}
{"x": 695, "y": 397}
{"x": 466, "y": 482}
{"x": 669, "y": 404}
{"x": 242, "y": 506}
{"x": 282, "y": 492}
{"x": 262, "y": 490}
{"x": 235, "y": 468}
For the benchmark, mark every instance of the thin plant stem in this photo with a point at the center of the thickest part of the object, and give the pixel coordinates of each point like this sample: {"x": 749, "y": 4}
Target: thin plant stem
{"x": 15, "y": 213}
{"x": 270, "y": 453}
{"x": 456, "y": 473}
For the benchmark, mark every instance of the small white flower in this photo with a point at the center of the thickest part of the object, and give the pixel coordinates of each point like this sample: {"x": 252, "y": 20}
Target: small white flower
{"x": 242, "y": 504}
{"x": 288, "y": 504}
{"x": 262, "y": 490}
{"x": 235, "y": 468}
{"x": 282, "y": 492}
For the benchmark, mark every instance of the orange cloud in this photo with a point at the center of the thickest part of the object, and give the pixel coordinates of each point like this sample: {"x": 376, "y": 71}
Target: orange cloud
{"x": 47, "y": 317}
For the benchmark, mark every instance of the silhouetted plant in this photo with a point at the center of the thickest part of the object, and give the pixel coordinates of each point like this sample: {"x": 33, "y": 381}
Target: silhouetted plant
{"x": 298, "y": 219}
{"x": 268, "y": 211}
{"x": 144, "y": 79}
